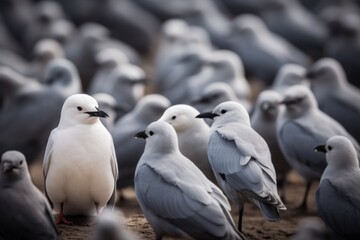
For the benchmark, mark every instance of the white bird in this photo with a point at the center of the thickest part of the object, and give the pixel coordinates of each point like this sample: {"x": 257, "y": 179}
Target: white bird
{"x": 241, "y": 161}
{"x": 301, "y": 127}
{"x": 80, "y": 167}
{"x": 190, "y": 132}
{"x": 288, "y": 75}
{"x": 263, "y": 121}
{"x": 338, "y": 195}
{"x": 175, "y": 196}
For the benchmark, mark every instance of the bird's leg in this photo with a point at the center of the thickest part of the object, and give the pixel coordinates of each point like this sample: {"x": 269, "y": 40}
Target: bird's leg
{"x": 241, "y": 211}
{"x": 303, "y": 205}
{"x": 61, "y": 217}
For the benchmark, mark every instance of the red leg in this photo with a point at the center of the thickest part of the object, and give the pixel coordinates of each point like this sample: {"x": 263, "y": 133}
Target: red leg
{"x": 61, "y": 217}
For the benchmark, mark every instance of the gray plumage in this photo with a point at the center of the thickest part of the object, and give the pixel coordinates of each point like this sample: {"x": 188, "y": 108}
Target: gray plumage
{"x": 175, "y": 196}
{"x": 338, "y": 195}
{"x": 301, "y": 127}
{"x": 263, "y": 121}
{"x": 110, "y": 225}
{"x": 314, "y": 229}
{"x": 61, "y": 74}
{"x": 343, "y": 104}
{"x": 241, "y": 161}
{"x": 190, "y": 132}
{"x": 288, "y": 75}
{"x": 128, "y": 150}
{"x": 25, "y": 212}
{"x": 108, "y": 104}
{"x": 262, "y": 52}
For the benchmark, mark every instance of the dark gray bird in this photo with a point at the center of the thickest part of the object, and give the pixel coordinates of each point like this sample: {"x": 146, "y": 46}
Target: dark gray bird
{"x": 262, "y": 52}
{"x": 25, "y": 212}
{"x": 301, "y": 127}
{"x": 174, "y": 195}
{"x": 342, "y": 104}
{"x": 338, "y": 195}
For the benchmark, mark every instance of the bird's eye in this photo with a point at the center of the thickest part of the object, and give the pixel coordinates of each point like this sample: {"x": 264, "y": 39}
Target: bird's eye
{"x": 151, "y": 133}
{"x": 79, "y": 108}
{"x": 21, "y": 162}
{"x": 223, "y": 111}
{"x": 173, "y": 117}
{"x": 329, "y": 148}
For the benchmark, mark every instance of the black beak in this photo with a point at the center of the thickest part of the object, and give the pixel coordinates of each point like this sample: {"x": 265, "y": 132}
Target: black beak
{"x": 310, "y": 74}
{"x": 98, "y": 113}
{"x": 8, "y": 167}
{"x": 141, "y": 134}
{"x": 207, "y": 115}
{"x": 200, "y": 100}
{"x": 320, "y": 148}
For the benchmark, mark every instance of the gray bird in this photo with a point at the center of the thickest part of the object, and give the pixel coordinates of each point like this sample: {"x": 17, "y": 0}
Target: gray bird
{"x": 241, "y": 161}
{"x": 108, "y": 104}
{"x": 288, "y": 75}
{"x": 62, "y": 75}
{"x": 29, "y": 112}
{"x": 128, "y": 150}
{"x": 110, "y": 226}
{"x": 190, "y": 132}
{"x": 25, "y": 212}
{"x": 262, "y": 52}
{"x": 263, "y": 121}
{"x": 325, "y": 76}
{"x": 314, "y": 229}
{"x": 338, "y": 195}
{"x": 216, "y": 93}
{"x": 174, "y": 195}
{"x": 301, "y": 127}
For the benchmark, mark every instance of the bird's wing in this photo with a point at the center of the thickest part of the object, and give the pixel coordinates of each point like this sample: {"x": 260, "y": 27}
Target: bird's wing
{"x": 47, "y": 160}
{"x": 250, "y": 145}
{"x": 297, "y": 141}
{"x": 332, "y": 201}
{"x": 115, "y": 172}
{"x": 187, "y": 207}
{"x": 240, "y": 170}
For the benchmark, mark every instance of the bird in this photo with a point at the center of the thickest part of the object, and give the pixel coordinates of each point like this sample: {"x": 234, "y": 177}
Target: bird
{"x": 174, "y": 195}
{"x": 29, "y": 111}
{"x": 241, "y": 161}
{"x": 79, "y": 166}
{"x": 128, "y": 150}
{"x": 338, "y": 194}
{"x": 25, "y": 212}
{"x": 109, "y": 105}
{"x": 110, "y": 226}
{"x": 262, "y": 52}
{"x": 62, "y": 74}
{"x": 263, "y": 121}
{"x": 288, "y": 75}
{"x": 190, "y": 132}
{"x": 301, "y": 127}
{"x": 313, "y": 228}
{"x": 325, "y": 75}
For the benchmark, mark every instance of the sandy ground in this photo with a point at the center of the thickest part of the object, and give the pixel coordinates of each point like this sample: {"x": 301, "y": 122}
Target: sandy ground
{"x": 254, "y": 226}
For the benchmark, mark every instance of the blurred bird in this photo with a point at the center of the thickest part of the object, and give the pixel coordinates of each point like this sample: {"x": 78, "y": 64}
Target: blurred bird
{"x": 289, "y": 75}
{"x": 175, "y": 196}
{"x": 128, "y": 150}
{"x": 190, "y": 132}
{"x": 338, "y": 195}
{"x": 263, "y": 121}
{"x": 262, "y": 52}
{"x": 110, "y": 226}
{"x": 301, "y": 127}
{"x": 241, "y": 161}
{"x": 108, "y": 104}
{"x": 326, "y": 76}
{"x": 313, "y": 228}
{"x": 79, "y": 167}
{"x": 24, "y": 211}
{"x": 28, "y": 113}
{"x": 62, "y": 75}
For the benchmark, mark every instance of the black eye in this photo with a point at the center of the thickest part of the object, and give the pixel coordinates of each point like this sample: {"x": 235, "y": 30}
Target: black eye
{"x": 173, "y": 117}
{"x": 151, "y": 133}
{"x": 329, "y": 148}
{"x": 21, "y": 162}
{"x": 79, "y": 108}
{"x": 223, "y": 111}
